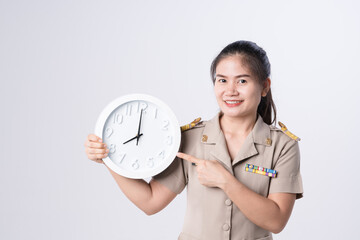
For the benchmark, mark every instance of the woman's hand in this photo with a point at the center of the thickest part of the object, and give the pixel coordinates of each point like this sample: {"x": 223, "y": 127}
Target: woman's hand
{"x": 95, "y": 149}
{"x": 210, "y": 172}
{"x": 149, "y": 197}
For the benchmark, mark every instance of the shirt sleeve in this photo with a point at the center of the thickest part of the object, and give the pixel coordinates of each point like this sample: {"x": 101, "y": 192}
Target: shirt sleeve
{"x": 288, "y": 167}
{"x": 173, "y": 177}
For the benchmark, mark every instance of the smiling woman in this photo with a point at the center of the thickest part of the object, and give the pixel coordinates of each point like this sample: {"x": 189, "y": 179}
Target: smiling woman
{"x": 244, "y": 62}
{"x": 235, "y": 86}
{"x": 242, "y": 174}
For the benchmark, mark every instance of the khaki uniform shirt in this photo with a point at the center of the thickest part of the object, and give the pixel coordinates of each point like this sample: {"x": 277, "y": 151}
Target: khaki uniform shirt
{"x": 210, "y": 214}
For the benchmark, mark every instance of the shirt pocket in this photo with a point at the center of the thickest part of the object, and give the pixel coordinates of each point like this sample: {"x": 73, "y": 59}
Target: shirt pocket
{"x": 256, "y": 182}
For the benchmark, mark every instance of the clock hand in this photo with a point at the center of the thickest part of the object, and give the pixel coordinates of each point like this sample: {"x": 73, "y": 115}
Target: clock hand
{"x": 138, "y": 134}
{"x": 133, "y": 138}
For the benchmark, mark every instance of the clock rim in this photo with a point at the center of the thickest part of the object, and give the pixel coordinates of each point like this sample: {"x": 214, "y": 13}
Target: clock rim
{"x": 99, "y": 127}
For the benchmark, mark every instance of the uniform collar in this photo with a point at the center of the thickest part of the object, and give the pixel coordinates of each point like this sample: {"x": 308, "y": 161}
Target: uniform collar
{"x": 213, "y": 135}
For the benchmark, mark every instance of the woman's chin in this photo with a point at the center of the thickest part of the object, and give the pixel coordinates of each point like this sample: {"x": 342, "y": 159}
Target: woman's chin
{"x": 231, "y": 113}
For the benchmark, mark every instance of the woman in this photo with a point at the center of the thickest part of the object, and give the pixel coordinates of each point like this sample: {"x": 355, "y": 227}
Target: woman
{"x": 225, "y": 199}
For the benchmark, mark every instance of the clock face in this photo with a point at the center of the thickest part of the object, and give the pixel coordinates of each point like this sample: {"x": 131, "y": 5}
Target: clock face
{"x": 142, "y": 134}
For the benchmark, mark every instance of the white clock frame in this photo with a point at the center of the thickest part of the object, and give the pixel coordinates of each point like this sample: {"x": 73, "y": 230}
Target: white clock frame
{"x": 107, "y": 111}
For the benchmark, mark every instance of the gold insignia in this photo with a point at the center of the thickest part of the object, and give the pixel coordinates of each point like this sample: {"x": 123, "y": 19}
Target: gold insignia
{"x": 204, "y": 138}
{"x": 287, "y": 132}
{"x": 190, "y": 125}
{"x": 268, "y": 141}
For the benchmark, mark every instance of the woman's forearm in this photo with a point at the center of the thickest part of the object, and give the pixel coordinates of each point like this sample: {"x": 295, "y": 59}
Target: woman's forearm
{"x": 137, "y": 191}
{"x": 149, "y": 197}
{"x": 264, "y": 212}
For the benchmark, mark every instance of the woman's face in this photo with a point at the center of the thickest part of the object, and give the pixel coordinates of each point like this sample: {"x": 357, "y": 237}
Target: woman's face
{"x": 237, "y": 91}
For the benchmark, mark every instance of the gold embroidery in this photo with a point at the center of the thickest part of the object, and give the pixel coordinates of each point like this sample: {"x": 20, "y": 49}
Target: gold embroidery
{"x": 287, "y": 132}
{"x": 190, "y": 125}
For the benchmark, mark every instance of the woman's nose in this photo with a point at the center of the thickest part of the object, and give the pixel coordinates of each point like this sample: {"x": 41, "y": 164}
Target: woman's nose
{"x": 231, "y": 88}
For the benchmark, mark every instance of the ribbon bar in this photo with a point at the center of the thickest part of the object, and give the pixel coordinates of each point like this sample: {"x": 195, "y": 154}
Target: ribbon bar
{"x": 261, "y": 170}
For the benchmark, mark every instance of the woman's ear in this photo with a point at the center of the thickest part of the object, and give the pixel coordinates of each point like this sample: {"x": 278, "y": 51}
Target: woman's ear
{"x": 266, "y": 87}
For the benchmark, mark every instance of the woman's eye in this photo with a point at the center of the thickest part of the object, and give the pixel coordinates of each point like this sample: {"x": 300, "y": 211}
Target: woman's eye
{"x": 222, "y": 80}
{"x": 242, "y": 81}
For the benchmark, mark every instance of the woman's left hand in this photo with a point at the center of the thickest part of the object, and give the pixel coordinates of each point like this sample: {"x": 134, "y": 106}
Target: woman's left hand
{"x": 210, "y": 172}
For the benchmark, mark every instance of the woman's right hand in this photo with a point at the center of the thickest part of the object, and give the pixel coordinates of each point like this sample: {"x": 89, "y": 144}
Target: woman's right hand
{"x": 95, "y": 149}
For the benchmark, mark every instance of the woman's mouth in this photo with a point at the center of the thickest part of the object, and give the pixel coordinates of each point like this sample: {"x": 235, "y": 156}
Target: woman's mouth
{"x": 233, "y": 103}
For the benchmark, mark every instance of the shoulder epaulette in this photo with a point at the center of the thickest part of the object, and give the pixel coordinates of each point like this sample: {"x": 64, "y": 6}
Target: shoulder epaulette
{"x": 190, "y": 125}
{"x": 287, "y": 132}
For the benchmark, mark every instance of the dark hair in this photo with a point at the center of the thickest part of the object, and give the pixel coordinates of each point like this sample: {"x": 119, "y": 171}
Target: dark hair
{"x": 255, "y": 58}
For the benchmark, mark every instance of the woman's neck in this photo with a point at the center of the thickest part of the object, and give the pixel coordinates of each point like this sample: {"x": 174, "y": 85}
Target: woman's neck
{"x": 237, "y": 125}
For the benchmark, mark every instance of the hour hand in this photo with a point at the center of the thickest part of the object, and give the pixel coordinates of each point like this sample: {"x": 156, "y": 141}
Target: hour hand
{"x": 136, "y": 137}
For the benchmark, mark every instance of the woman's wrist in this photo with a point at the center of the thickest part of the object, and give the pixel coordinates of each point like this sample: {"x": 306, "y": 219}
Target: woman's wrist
{"x": 229, "y": 180}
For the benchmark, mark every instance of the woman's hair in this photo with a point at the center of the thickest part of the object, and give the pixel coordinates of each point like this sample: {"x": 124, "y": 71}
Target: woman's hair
{"x": 255, "y": 58}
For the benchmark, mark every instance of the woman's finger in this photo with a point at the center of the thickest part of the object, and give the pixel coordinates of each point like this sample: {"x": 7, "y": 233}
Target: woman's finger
{"x": 97, "y": 150}
{"x": 97, "y": 156}
{"x": 95, "y": 145}
{"x": 94, "y": 138}
{"x": 189, "y": 158}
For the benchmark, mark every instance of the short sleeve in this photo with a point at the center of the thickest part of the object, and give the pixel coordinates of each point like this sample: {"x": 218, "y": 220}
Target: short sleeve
{"x": 173, "y": 177}
{"x": 288, "y": 167}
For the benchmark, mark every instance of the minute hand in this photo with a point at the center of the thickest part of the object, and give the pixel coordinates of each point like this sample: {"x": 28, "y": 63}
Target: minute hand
{"x": 138, "y": 134}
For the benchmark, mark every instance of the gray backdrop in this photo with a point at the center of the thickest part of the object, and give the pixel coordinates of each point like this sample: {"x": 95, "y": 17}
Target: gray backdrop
{"x": 61, "y": 62}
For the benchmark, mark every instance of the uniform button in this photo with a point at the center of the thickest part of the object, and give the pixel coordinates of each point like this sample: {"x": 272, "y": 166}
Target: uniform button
{"x": 228, "y": 202}
{"x": 226, "y": 227}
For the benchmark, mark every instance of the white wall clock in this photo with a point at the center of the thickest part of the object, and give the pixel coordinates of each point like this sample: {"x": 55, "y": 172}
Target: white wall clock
{"x": 142, "y": 134}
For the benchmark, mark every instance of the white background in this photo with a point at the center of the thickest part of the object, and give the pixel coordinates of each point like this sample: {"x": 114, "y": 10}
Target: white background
{"x": 62, "y": 62}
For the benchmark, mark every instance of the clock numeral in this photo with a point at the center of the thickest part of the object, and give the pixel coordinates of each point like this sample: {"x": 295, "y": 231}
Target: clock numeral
{"x": 168, "y": 140}
{"x": 137, "y": 106}
{"x": 161, "y": 154}
{"x": 108, "y": 132}
{"x": 135, "y": 165}
{"x": 128, "y": 110}
{"x": 150, "y": 162}
{"x": 112, "y": 148}
{"x": 155, "y": 113}
{"x": 118, "y": 118}
{"x": 121, "y": 157}
{"x": 142, "y": 105}
{"x": 165, "y": 125}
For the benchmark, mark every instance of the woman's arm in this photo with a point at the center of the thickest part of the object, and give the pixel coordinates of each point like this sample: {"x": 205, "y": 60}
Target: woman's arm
{"x": 270, "y": 213}
{"x": 149, "y": 197}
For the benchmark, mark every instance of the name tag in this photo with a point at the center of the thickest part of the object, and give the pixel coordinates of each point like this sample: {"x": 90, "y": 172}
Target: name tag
{"x": 260, "y": 170}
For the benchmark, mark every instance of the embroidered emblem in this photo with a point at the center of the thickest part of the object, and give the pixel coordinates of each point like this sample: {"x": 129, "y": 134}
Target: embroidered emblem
{"x": 190, "y": 125}
{"x": 287, "y": 132}
{"x": 204, "y": 138}
{"x": 261, "y": 170}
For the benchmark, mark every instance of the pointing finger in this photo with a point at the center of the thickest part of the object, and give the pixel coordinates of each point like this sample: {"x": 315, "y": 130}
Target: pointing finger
{"x": 189, "y": 158}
